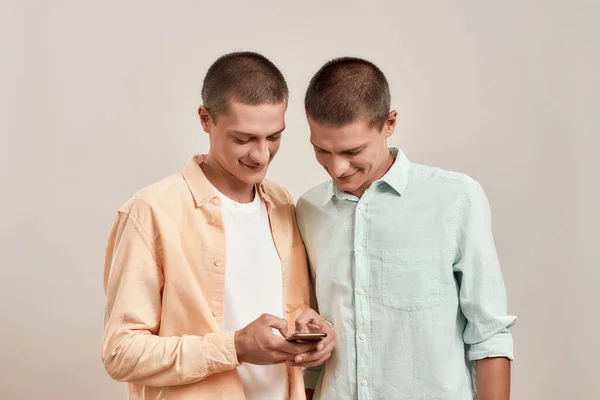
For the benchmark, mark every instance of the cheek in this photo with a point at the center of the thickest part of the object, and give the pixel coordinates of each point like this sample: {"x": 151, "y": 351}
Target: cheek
{"x": 361, "y": 163}
{"x": 232, "y": 153}
{"x": 238, "y": 150}
{"x": 224, "y": 145}
{"x": 321, "y": 159}
{"x": 274, "y": 147}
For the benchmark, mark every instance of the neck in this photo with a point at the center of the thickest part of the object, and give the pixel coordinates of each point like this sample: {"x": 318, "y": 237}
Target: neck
{"x": 226, "y": 183}
{"x": 379, "y": 173}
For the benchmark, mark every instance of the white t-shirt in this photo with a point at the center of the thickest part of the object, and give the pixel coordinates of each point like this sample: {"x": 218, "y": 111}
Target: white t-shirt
{"x": 253, "y": 286}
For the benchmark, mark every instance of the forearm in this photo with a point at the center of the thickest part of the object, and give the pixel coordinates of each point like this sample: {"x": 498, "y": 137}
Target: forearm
{"x": 493, "y": 378}
{"x": 166, "y": 361}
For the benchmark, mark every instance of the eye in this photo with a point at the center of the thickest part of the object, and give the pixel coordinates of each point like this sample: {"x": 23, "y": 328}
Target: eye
{"x": 273, "y": 138}
{"x": 239, "y": 141}
{"x": 353, "y": 153}
{"x": 318, "y": 150}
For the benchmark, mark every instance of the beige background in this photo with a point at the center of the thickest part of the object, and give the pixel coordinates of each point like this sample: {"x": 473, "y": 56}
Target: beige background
{"x": 98, "y": 99}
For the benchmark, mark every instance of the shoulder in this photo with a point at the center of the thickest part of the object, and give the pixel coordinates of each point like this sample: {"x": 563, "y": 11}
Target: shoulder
{"x": 450, "y": 184}
{"x": 316, "y": 196}
{"x": 158, "y": 197}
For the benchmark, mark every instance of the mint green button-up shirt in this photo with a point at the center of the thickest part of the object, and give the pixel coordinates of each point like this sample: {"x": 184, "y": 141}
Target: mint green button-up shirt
{"x": 409, "y": 277}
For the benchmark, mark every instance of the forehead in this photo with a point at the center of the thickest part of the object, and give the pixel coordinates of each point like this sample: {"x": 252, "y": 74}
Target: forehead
{"x": 336, "y": 139}
{"x": 255, "y": 119}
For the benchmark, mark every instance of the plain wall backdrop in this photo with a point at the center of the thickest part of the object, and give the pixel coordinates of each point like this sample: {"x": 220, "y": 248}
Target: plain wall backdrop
{"x": 99, "y": 99}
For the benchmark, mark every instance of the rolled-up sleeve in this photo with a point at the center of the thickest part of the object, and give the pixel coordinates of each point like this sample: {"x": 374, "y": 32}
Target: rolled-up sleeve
{"x": 482, "y": 294}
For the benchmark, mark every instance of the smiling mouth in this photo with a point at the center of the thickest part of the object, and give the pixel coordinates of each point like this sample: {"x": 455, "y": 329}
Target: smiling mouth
{"x": 253, "y": 167}
{"x": 347, "y": 177}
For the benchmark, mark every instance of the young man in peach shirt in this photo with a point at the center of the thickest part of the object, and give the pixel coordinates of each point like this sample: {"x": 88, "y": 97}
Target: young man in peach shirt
{"x": 205, "y": 270}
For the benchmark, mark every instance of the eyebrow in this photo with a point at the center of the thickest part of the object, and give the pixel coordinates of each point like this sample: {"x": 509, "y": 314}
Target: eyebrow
{"x": 353, "y": 150}
{"x": 356, "y": 149}
{"x": 250, "y": 135}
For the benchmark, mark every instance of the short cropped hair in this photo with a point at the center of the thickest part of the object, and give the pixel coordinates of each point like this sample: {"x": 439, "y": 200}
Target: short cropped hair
{"x": 346, "y": 90}
{"x": 247, "y": 77}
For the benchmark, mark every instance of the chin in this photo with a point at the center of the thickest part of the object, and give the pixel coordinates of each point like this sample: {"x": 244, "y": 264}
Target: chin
{"x": 347, "y": 186}
{"x": 252, "y": 179}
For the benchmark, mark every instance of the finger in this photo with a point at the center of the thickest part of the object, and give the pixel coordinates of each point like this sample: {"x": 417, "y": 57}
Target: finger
{"x": 279, "y": 357}
{"x": 317, "y": 358}
{"x": 282, "y": 345}
{"x": 297, "y": 348}
{"x": 315, "y": 355}
{"x": 315, "y": 363}
{"x": 278, "y": 323}
{"x": 320, "y": 346}
{"x": 313, "y": 327}
{"x": 282, "y": 356}
{"x": 304, "y": 319}
{"x": 325, "y": 341}
{"x": 309, "y": 364}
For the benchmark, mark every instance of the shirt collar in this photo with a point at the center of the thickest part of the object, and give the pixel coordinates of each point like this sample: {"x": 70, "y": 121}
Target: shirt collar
{"x": 396, "y": 178}
{"x": 200, "y": 187}
{"x": 397, "y": 175}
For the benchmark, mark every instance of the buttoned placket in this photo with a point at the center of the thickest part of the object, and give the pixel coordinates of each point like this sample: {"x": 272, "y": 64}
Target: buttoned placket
{"x": 361, "y": 285}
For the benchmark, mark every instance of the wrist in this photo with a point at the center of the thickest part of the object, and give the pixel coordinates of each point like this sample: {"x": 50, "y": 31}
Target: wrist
{"x": 238, "y": 340}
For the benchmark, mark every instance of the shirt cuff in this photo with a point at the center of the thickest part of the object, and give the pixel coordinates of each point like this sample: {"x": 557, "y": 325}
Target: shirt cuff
{"x": 498, "y": 345}
{"x": 311, "y": 377}
{"x": 221, "y": 351}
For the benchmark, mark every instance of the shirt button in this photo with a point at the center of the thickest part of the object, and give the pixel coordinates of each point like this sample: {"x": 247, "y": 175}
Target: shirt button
{"x": 361, "y": 207}
{"x": 362, "y": 336}
{"x": 213, "y": 219}
{"x": 214, "y": 313}
{"x": 217, "y": 263}
{"x": 216, "y": 201}
{"x": 361, "y": 291}
{"x": 363, "y": 382}
{"x": 359, "y": 249}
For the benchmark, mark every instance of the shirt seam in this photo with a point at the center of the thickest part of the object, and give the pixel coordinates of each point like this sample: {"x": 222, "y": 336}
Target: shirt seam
{"x": 142, "y": 233}
{"x": 416, "y": 173}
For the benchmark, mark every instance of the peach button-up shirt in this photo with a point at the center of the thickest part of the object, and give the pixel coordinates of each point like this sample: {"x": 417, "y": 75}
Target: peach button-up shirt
{"x": 164, "y": 283}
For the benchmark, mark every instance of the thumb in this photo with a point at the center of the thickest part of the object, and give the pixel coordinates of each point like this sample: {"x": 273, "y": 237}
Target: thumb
{"x": 303, "y": 320}
{"x": 278, "y": 323}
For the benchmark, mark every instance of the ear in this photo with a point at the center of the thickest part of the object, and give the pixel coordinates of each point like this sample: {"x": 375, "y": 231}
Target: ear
{"x": 390, "y": 123}
{"x": 205, "y": 119}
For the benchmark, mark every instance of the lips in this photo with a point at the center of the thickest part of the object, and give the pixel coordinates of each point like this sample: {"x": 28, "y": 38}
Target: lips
{"x": 346, "y": 178}
{"x": 254, "y": 168}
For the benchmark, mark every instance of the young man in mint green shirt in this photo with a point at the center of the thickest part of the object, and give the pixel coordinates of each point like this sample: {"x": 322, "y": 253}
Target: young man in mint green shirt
{"x": 402, "y": 258}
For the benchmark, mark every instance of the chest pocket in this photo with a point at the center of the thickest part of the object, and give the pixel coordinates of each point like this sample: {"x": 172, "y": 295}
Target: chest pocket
{"x": 411, "y": 278}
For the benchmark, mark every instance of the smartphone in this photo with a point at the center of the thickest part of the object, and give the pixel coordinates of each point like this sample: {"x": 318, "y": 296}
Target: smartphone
{"x": 306, "y": 337}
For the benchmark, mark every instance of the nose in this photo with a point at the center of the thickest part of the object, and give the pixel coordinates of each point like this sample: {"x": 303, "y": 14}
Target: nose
{"x": 260, "y": 153}
{"x": 338, "y": 167}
